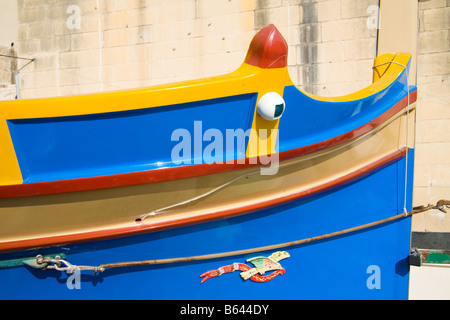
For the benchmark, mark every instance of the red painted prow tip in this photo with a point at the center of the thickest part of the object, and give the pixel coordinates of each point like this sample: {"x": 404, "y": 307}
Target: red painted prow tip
{"x": 268, "y": 49}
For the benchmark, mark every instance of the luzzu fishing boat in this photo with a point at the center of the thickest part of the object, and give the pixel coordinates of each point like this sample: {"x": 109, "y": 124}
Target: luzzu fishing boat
{"x": 239, "y": 186}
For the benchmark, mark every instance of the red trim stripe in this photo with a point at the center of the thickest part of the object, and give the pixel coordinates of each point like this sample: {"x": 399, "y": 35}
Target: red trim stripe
{"x": 167, "y": 174}
{"x": 159, "y": 226}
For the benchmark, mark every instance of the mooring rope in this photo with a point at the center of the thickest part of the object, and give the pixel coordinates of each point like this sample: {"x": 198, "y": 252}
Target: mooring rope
{"x": 56, "y": 263}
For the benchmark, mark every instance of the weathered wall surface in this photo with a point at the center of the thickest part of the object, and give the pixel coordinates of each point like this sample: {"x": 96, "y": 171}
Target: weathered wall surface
{"x": 84, "y": 46}
{"x": 8, "y": 22}
{"x": 7, "y": 67}
{"x": 95, "y": 45}
{"x": 8, "y": 35}
{"x": 432, "y": 175}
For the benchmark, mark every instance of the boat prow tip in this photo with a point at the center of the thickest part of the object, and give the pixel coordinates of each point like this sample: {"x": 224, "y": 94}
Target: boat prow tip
{"x": 268, "y": 49}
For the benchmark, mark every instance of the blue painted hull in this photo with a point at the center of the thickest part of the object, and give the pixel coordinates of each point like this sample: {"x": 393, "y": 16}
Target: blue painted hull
{"x": 368, "y": 264}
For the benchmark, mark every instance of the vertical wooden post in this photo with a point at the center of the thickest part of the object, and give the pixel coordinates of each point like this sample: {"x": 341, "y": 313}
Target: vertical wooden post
{"x": 398, "y": 30}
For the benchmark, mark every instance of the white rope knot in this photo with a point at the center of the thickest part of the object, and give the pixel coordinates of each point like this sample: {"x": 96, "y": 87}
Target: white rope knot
{"x": 405, "y": 212}
{"x": 67, "y": 266}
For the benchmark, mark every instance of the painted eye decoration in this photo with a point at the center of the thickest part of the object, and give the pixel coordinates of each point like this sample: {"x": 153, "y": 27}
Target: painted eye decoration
{"x": 271, "y": 106}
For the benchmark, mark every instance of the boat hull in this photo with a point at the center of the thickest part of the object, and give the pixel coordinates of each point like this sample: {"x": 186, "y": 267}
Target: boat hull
{"x": 140, "y": 196}
{"x": 367, "y": 264}
{"x": 48, "y": 220}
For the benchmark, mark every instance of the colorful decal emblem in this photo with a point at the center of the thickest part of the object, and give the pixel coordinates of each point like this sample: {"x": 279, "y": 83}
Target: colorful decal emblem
{"x": 262, "y": 265}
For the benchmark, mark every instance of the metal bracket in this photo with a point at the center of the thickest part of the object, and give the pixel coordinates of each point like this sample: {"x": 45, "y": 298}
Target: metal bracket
{"x": 30, "y": 261}
{"x": 414, "y": 258}
{"x": 429, "y": 257}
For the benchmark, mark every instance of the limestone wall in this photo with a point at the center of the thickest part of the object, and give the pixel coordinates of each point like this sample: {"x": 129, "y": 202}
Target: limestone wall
{"x": 5, "y": 67}
{"x": 432, "y": 175}
{"x": 8, "y": 22}
{"x": 95, "y": 45}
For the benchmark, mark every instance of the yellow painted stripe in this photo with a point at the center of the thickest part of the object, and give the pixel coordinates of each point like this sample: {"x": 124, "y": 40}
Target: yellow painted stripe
{"x": 264, "y": 132}
{"x": 9, "y": 167}
{"x": 380, "y": 66}
{"x": 247, "y": 79}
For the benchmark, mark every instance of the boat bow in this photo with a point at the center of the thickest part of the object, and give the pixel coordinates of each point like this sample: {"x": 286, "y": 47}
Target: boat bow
{"x": 107, "y": 160}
